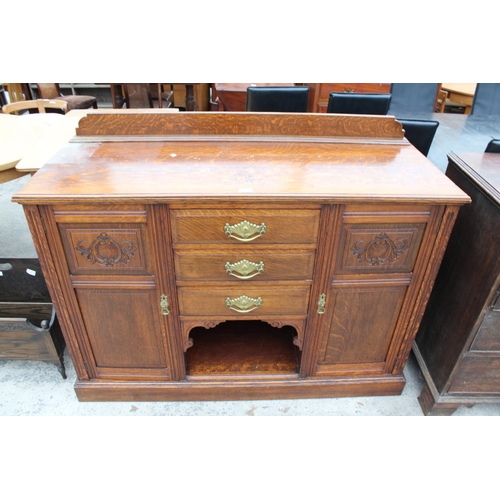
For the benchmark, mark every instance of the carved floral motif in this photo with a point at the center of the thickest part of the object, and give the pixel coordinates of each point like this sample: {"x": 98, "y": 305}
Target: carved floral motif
{"x": 106, "y": 251}
{"x": 380, "y": 250}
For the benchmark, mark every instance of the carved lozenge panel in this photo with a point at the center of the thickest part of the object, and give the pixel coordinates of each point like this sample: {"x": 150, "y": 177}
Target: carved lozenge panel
{"x": 105, "y": 250}
{"x": 384, "y": 248}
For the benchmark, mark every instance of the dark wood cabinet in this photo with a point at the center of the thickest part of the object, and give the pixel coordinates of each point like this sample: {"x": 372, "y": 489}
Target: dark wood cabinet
{"x": 458, "y": 344}
{"x": 237, "y": 256}
{"x": 29, "y": 329}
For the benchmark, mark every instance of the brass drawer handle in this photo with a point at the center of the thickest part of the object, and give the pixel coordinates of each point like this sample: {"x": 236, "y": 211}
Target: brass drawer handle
{"x": 244, "y": 269}
{"x": 164, "y": 305}
{"x": 245, "y": 231}
{"x": 243, "y": 304}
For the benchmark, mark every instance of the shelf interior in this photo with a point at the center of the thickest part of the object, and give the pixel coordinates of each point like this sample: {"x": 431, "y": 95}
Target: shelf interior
{"x": 242, "y": 347}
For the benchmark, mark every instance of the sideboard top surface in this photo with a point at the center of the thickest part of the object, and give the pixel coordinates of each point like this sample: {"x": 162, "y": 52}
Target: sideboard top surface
{"x": 253, "y": 168}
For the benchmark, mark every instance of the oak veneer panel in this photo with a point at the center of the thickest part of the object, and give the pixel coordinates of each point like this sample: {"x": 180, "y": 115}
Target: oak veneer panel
{"x": 105, "y": 248}
{"x": 278, "y": 264}
{"x": 381, "y": 248}
{"x": 362, "y": 323}
{"x": 291, "y": 299}
{"x": 122, "y": 327}
{"x": 281, "y": 226}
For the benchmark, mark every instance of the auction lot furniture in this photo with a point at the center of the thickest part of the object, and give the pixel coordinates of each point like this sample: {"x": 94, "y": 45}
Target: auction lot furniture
{"x": 202, "y": 256}
{"x": 458, "y": 344}
{"x": 28, "y": 325}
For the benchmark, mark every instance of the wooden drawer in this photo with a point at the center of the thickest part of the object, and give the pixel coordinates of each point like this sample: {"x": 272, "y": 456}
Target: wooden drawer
{"x": 244, "y": 265}
{"x": 379, "y": 248}
{"x": 105, "y": 248}
{"x": 245, "y": 226}
{"x": 254, "y": 301}
{"x": 488, "y": 336}
{"x": 477, "y": 374}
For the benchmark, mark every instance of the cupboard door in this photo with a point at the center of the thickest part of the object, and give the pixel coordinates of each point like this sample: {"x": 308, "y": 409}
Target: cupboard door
{"x": 361, "y": 321}
{"x": 123, "y": 331}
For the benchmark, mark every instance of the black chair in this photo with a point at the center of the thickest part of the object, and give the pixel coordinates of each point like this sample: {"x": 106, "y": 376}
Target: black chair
{"x": 486, "y": 99}
{"x": 277, "y": 99}
{"x": 356, "y": 103}
{"x": 409, "y": 97}
{"x": 420, "y": 133}
{"x": 493, "y": 146}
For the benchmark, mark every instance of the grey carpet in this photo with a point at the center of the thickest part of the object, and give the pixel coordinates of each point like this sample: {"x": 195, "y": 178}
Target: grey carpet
{"x": 15, "y": 237}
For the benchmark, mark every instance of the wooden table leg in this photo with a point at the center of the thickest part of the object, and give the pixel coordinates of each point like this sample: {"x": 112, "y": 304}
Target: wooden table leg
{"x": 189, "y": 97}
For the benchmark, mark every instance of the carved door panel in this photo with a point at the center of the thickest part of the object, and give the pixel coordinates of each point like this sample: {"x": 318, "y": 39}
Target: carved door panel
{"x": 360, "y": 323}
{"x": 121, "y": 296}
{"x": 374, "y": 256}
{"x": 123, "y": 330}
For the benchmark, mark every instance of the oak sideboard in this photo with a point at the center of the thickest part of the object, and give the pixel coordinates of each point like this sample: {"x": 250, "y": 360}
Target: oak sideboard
{"x": 205, "y": 256}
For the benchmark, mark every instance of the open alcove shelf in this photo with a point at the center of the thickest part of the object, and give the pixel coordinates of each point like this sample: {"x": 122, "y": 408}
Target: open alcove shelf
{"x": 202, "y": 256}
{"x": 242, "y": 348}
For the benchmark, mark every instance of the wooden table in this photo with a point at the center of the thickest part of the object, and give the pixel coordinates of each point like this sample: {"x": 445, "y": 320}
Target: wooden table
{"x": 18, "y": 134}
{"x": 63, "y": 131}
{"x": 462, "y": 93}
{"x": 233, "y": 96}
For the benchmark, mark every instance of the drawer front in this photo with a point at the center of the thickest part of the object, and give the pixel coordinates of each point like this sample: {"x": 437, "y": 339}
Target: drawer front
{"x": 243, "y": 301}
{"x": 245, "y": 226}
{"x": 477, "y": 374}
{"x": 105, "y": 248}
{"x": 244, "y": 265}
{"x": 378, "y": 248}
{"x": 488, "y": 336}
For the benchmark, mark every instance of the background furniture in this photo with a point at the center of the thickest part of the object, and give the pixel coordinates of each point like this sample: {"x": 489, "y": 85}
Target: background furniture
{"x": 271, "y": 267}
{"x": 56, "y": 136}
{"x": 138, "y": 95}
{"x": 493, "y": 146}
{"x": 410, "y": 97}
{"x": 233, "y": 96}
{"x": 420, "y": 133}
{"x": 357, "y": 103}
{"x": 28, "y": 324}
{"x": 41, "y": 105}
{"x": 277, "y": 99}
{"x": 458, "y": 344}
{"x": 459, "y": 94}
{"x": 486, "y": 99}
{"x": 319, "y": 93}
{"x": 459, "y": 133}
{"x": 17, "y": 135}
{"x": 52, "y": 91}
